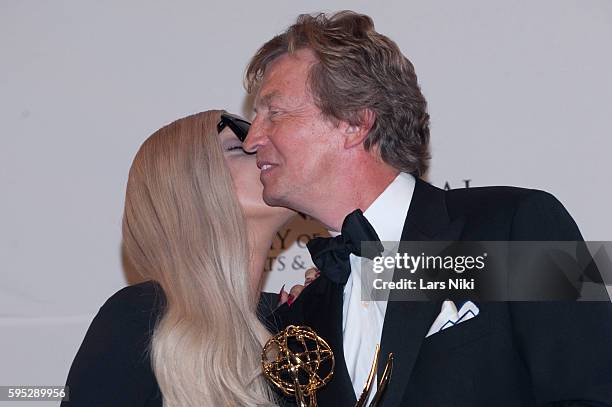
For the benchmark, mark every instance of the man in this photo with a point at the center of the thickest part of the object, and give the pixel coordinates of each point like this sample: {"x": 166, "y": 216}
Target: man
{"x": 341, "y": 125}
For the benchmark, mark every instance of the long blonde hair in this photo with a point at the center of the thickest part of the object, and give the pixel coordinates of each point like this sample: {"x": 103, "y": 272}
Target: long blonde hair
{"x": 184, "y": 228}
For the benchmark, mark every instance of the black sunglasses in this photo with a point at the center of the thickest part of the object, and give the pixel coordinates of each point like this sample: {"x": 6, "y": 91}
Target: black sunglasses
{"x": 238, "y": 125}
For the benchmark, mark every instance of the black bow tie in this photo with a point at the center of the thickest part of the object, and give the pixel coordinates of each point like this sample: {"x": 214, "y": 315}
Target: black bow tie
{"x": 331, "y": 254}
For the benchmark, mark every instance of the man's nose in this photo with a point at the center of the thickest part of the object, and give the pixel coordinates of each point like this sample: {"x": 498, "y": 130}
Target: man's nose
{"x": 255, "y": 137}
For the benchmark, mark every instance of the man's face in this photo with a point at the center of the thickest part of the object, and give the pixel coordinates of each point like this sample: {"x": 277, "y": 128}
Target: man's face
{"x": 296, "y": 146}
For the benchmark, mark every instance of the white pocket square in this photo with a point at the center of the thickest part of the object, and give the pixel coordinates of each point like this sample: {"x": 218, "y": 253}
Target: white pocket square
{"x": 450, "y": 316}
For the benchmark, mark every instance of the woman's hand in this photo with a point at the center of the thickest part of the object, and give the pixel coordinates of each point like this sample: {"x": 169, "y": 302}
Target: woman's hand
{"x": 288, "y": 297}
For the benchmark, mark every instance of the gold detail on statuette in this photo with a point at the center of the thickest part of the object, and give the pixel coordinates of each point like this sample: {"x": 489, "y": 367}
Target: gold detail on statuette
{"x": 299, "y": 362}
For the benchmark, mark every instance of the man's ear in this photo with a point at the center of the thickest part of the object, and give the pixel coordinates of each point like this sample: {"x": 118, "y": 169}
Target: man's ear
{"x": 355, "y": 134}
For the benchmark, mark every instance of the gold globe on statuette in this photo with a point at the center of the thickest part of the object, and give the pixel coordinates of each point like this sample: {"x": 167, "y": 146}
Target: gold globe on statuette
{"x": 299, "y": 362}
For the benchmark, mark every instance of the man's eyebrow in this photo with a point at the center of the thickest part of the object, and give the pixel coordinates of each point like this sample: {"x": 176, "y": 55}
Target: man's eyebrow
{"x": 266, "y": 99}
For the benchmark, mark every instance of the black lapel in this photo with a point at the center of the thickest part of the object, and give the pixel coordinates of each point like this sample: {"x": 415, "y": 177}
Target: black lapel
{"x": 407, "y": 322}
{"x": 322, "y": 311}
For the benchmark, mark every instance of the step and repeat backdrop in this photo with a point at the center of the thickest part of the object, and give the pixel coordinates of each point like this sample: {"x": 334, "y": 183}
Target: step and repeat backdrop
{"x": 519, "y": 94}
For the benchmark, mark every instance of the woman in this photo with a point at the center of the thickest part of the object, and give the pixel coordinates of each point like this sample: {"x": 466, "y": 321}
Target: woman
{"x": 196, "y": 224}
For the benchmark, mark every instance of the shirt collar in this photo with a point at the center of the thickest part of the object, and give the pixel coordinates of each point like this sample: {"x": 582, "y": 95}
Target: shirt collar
{"x": 389, "y": 210}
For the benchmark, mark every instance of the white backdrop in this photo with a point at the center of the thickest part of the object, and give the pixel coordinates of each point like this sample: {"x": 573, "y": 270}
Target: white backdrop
{"x": 519, "y": 93}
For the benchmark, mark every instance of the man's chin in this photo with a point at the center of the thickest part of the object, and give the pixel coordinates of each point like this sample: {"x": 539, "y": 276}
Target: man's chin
{"x": 273, "y": 199}
{"x": 270, "y": 199}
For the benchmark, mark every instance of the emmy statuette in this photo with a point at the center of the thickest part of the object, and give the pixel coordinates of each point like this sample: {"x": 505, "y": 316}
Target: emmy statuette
{"x": 299, "y": 362}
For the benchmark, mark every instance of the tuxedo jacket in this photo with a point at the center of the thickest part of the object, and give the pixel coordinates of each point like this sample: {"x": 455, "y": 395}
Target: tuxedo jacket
{"x": 511, "y": 354}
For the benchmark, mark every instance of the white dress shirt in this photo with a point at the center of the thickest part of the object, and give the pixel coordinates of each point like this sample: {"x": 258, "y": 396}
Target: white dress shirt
{"x": 362, "y": 321}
